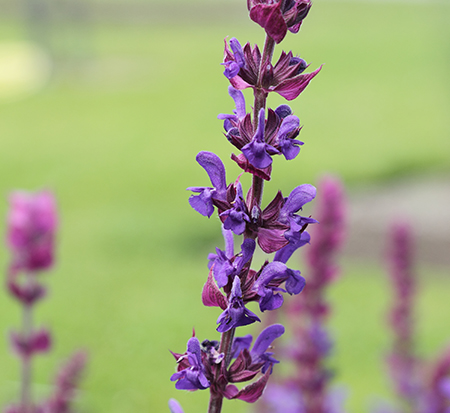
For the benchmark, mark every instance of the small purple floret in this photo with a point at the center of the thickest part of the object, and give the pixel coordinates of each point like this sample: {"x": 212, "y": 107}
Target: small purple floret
{"x": 203, "y": 203}
{"x": 262, "y": 343}
{"x": 236, "y": 216}
{"x": 236, "y": 315}
{"x": 294, "y": 203}
{"x": 232, "y": 67}
{"x": 192, "y": 377}
{"x": 271, "y": 299}
{"x": 298, "y": 240}
{"x": 258, "y": 151}
{"x": 289, "y": 146}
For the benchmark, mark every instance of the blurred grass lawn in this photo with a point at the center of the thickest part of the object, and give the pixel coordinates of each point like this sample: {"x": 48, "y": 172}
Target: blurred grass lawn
{"x": 117, "y": 142}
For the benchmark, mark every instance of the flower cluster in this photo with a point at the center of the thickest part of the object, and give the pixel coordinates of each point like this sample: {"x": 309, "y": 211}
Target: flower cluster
{"x": 279, "y": 227}
{"x": 32, "y": 224}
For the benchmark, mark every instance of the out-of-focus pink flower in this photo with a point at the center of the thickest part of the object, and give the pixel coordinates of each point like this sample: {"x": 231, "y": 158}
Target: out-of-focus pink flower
{"x": 32, "y": 222}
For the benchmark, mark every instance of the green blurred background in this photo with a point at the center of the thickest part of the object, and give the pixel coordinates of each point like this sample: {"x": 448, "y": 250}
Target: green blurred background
{"x": 107, "y": 103}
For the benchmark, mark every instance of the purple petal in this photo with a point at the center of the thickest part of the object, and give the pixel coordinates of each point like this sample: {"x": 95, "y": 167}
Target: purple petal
{"x": 174, "y": 406}
{"x": 297, "y": 198}
{"x": 283, "y": 110}
{"x": 215, "y": 169}
{"x": 237, "y": 51}
{"x": 241, "y": 343}
{"x": 256, "y": 154}
{"x": 229, "y": 242}
{"x": 289, "y": 125}
{"x": 290, "y": 148}
{"x": 265, "y": 339}
{"x": 297, "y": 241}
{"x": 295, "y": 283}
{"x": 247, "y": 248}
{"x": 273, "y": 270}
{"x": 202, "y": 203}
{"x": 239, "y": 101}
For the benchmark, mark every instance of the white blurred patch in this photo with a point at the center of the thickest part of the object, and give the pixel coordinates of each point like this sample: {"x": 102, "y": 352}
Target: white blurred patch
{"x": 25, "y": 68}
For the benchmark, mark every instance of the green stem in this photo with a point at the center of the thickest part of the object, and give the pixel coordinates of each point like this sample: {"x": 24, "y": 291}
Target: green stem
{"x": 27, "y": 327}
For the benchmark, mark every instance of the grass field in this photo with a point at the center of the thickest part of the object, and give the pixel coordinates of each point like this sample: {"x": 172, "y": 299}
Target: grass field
{"x": 116, "y": 134}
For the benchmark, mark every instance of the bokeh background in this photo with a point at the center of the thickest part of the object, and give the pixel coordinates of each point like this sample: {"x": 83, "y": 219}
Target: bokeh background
{"x": 108, "y": 102}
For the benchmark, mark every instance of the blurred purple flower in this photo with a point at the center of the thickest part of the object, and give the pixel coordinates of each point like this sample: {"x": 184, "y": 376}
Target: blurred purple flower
{"x": 38, "y": 341}
{"x": 32, "y": 222}
{"x": 175, "y": 407}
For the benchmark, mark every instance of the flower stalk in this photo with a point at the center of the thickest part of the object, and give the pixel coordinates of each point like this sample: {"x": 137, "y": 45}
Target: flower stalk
{"x": 277, "y": 227}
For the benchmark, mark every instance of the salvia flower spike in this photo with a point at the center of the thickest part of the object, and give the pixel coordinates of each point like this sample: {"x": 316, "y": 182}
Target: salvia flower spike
{"x": 278, "y": 227}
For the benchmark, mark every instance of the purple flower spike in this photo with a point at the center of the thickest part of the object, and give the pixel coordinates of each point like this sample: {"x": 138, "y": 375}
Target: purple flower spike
{"x": 258, "y": 151}
{"x": 32, "y": 222}
{"x": 270, "y": 278}
{"x": 262, "y": 343}
{"x": 192, "y": 377}
{"x": 298, "y": 240}
{"x": 236, "y": 315}
{"x": 203, "y": 203}
{"x": 288, "y": 130}
{"x": 174, "y": 406}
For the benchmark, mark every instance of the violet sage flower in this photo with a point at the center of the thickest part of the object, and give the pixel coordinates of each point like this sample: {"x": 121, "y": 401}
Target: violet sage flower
{"x": 226, "y": 267}
{"x": 267, "y": 285}
{"x": 192, "y": 377}
{"x": 236, "y": 315}
{"x": 258, "y": 151}
{"x": 204, "y": 202}
{"x": 294, "y": 203}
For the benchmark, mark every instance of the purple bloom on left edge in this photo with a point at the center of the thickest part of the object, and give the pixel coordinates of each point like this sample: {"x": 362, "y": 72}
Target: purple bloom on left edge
{"x": 193, "y": 376}
{"x": 236, "y": 315}
{"x": 32, "y": 223}
{"x": 204, "y": 202}
{"x": 258, "y": 151}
